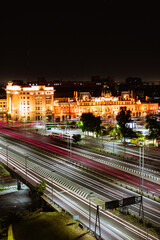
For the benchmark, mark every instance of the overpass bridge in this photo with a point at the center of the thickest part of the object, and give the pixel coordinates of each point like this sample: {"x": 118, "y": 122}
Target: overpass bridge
{"x": 32, "y": 168}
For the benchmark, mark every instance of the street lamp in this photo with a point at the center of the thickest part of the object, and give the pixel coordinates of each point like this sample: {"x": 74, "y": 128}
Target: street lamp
{"x": 68, "y": 140}
{"x": 24, "y": 119}
{"x": 90, "y": 209}
{"x": 7, "y": 154}
{"x": 70, "y": 144}
{"x": 114, "y": 130}
{"x": 26, "y": 166}
{"x": 141, "y": 167}
{"x": 124, "y": 148}
{"x": 52, "y": 183}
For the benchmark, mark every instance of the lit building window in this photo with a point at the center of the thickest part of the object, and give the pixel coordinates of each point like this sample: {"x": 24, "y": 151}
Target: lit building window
{"x": 38, "y": 102}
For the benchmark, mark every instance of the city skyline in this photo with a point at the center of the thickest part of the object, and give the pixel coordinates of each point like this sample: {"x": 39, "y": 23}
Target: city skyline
{"x": 78, "y": 46}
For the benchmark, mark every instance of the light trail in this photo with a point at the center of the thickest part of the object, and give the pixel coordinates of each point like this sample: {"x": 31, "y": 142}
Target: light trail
{"x": 101, "y": 188}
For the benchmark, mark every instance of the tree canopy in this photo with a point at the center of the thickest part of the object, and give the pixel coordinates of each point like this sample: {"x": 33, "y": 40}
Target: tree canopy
{"x": 71, "y": 123}
{"x": 90, "y": 123}
{"x": 153, "y": 124}
{"x": 124, "y": 117}
{"x": 77, "y": 138}
{"x": 114, "y": 131}
{"x": 38, "y": 190}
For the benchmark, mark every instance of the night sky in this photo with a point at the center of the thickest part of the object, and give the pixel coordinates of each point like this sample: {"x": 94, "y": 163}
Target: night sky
{"x": 105, "y": 40}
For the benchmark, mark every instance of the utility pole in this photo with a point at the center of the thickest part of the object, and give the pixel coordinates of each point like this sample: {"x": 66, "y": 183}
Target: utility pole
{"x": 113, "y": 143}
{"x": 52, "y": 183}
{"x": 70, "y": 146}
{"x": 141, "y": 167}
{"x": 7, "y": 154}
{"x": 68, "y": 141}
{"x": 52, "y": 189}
{"x": 26, "y": 167}
{"x": 98, "y": 224}
{"x": 141, "y": 170}
{"x": 113, "y": 132}
{"x": 24, "y": 123}
{"x": 90, "y": 210}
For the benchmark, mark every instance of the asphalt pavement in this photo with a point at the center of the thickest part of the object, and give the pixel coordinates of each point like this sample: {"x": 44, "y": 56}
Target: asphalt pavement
{"x": 14, "y": 201}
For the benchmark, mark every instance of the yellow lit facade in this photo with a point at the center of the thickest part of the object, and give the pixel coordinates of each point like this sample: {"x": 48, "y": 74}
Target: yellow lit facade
{"x": 3, "y": 105}
{"x": 105, "y": 107}
{"x": 3, "y": 108}
{"x": 30, "y": 103}
{"x": 37, "y": 102}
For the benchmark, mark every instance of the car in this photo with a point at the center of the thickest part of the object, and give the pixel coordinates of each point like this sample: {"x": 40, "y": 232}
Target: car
{"x": 140, "y": 144}
{"x": 132, "y": 144}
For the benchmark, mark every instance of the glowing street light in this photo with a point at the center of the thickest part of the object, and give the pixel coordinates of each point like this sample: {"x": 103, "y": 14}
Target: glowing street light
{"x": 89, "y": 195}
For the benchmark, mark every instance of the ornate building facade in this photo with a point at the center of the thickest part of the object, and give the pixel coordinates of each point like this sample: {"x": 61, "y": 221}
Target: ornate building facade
{"x": 29, "y": 103}
{"x": 34, "y": 101}
{"x": 106, "y": 107}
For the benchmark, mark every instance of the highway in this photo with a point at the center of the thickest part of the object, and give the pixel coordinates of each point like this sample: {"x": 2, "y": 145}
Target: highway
{"x": 84, "y": 181}
{"x": 114, "y": 166}
{"x": 111, "y": 226}
{"x": 129, "y": 150}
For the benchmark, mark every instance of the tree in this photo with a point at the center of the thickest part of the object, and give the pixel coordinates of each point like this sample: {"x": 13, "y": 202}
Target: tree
{"x": 153, "y": 124}
{"x": 49, "y": 118}
{"x": 97, "y": 124}
{"x": 71, "y": 123}
{"x": 8, "y": 116}
{"x": 124, "y": 117}
{"x": 90, "y": 123}
{"x": 77, "y": 138}
{"x": 79, "y": 124}
{"x": 38, "y": 190}
{"x": 103, "y": 131}
{"x": 114, "y": 131}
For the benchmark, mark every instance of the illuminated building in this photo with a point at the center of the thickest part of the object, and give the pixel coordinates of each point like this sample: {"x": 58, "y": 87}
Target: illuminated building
{"x": 105, "y": 107}
{"x": 36, "y": 101}
{"x": 3, "y": 105}
{"x": 3, "y": 108}
{"x": 30, "y": 102}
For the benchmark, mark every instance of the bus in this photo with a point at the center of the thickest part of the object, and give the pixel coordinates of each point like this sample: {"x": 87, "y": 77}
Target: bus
{"x": 60, "y": 135}
{"x": 49, "y": 126}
